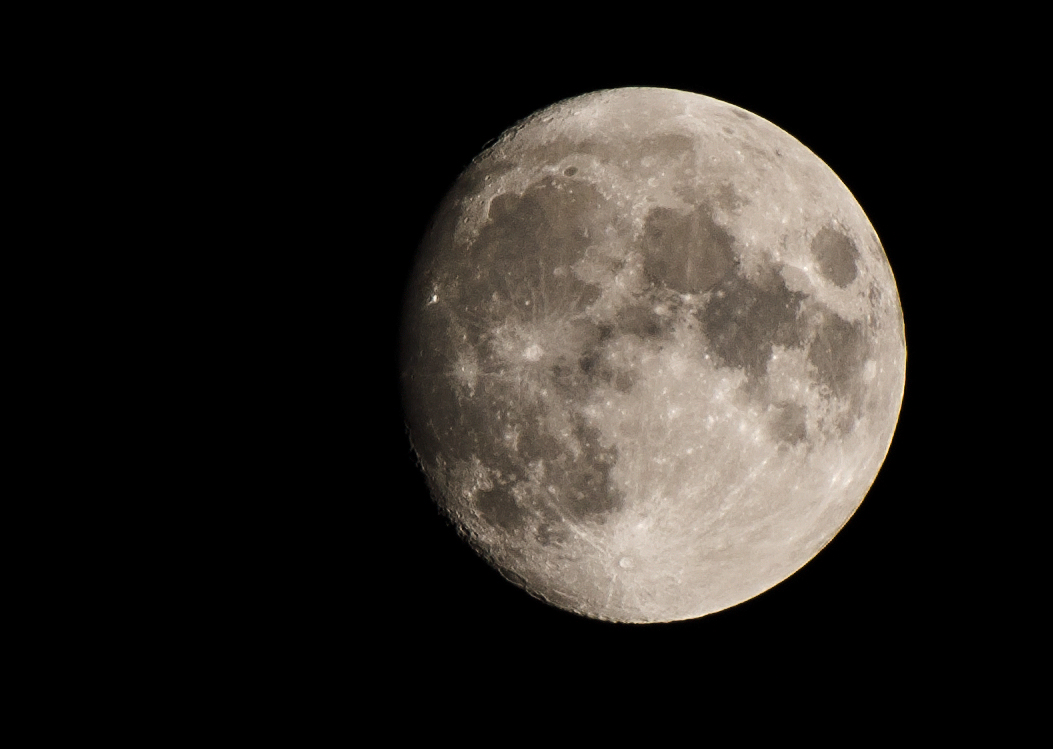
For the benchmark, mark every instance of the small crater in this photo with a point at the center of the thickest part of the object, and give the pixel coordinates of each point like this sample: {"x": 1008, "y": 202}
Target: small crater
{"x": 570, "y": 171}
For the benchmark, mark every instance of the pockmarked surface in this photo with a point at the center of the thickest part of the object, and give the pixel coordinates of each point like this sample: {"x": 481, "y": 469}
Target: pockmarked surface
{"x": 653, "y": 355}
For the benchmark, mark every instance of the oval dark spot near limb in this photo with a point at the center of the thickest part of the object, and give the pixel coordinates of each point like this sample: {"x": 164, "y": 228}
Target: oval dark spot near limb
{"x": 835, "y": 253}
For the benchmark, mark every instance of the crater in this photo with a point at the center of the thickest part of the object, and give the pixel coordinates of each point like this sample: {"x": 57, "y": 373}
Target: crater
{"x": 688, "y": 253}
{"x": 836, "y": 254}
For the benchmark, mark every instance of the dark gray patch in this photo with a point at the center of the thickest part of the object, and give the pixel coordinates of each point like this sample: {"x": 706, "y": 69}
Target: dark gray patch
{"x": 585, "y": 486}
{"x": 580, "y": 479}
{"x": 527, "y": 237}
{"x": 640, "y": 321}
{"x": 742, "y": 113}
{"x": 836, "y": 254}
{"x": 551, "y": 531}
{"x": 670, "y": 146}
{"x": 576, "y": 372}
{"x": 570, "y": 171}
{"x": 727, "y": 198}
{"x": 561, "y": 148}
{"x": 597, "y": 371}
{"x": 534, "y": 442}
{"x": 688, "y": 253}
{"x": 838, "y": 352}
{"x": 595, "y": 367}
{"x": 788, "y": 424}
{"x": 624, "y": 380}
{"x": 744, "y": 319}
{"x": 499, "y": 508}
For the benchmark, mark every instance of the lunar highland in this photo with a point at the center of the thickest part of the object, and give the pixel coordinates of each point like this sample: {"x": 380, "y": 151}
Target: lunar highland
{"x": 652, "y": 355}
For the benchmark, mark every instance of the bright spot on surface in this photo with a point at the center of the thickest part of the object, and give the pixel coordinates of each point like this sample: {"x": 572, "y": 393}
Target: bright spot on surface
{"x": 533, "y": 352}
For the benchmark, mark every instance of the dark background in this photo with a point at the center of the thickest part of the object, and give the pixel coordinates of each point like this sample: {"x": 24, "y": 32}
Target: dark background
{"x": 353, "y": 573}
{"x": 883, "y": 592}
{"x": 268, "y": 179}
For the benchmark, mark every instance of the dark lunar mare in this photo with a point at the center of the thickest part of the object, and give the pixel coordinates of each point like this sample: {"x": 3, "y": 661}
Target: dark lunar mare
{"x": 688, "y": 253}
{"x": 836, "y": 255}
{"x": 529, "y": 244}
{"x": 518, "y": 269}
{"x": 744, "y": 319}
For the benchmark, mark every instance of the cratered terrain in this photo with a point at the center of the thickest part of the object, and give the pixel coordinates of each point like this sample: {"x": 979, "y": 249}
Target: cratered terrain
{"x": 653, "y": 355}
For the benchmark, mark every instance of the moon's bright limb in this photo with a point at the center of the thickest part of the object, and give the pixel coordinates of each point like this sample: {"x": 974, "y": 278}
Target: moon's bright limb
{"x": 653, "y": 355}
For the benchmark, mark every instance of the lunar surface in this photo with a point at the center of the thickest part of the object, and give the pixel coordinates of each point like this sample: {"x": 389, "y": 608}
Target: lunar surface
{"x": 653, "y": 355}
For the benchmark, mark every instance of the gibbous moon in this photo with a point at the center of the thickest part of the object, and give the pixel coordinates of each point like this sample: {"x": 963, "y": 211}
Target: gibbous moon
{"x": 652, "y": 355}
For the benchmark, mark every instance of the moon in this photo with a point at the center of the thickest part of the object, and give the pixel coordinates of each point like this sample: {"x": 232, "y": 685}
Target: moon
{"x": 652, "y": 355}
